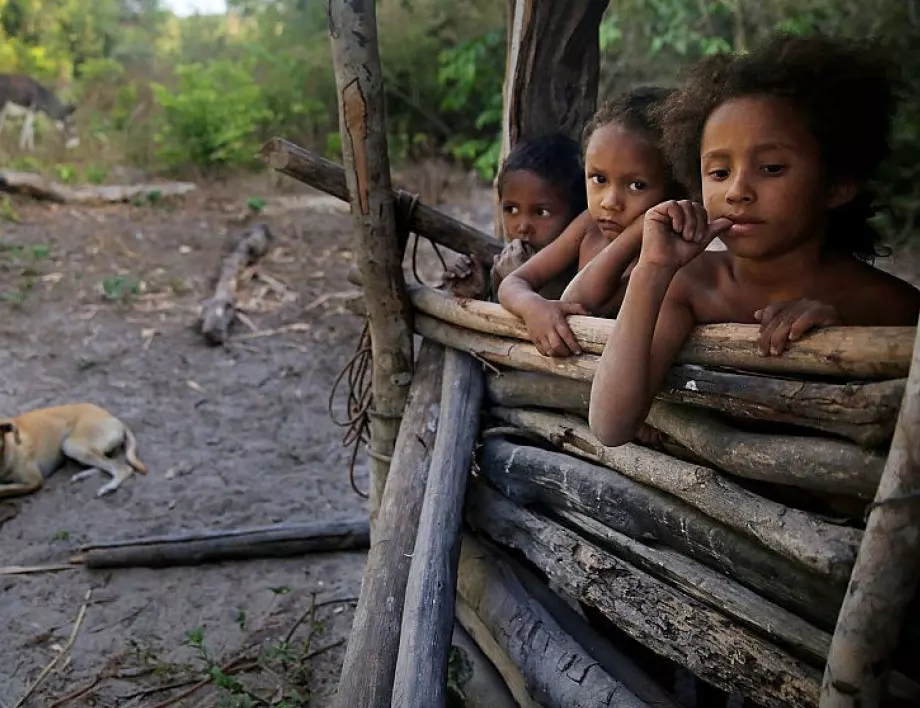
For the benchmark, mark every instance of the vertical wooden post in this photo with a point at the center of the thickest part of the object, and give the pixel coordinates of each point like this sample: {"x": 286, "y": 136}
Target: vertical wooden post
{"x": 887, "y": 570}
{"x": 353, "y": 32}
{"x": 551, "y": 69}
{"x": 366, "y": 680}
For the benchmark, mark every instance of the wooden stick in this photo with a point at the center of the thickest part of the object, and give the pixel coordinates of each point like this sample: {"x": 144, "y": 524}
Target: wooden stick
{"x": 370, "y": 659}
{"x": 557, "y": 671}
{"x": 37, "y": 187}
{"x": 611, "y": 659}
{"x": 667, "y": 621}
{"x": 218, "y": 313}
{"x": 886, "y": 574}
{"x": 530, "y": 475}
{"x": 813, "y": 405}
{"x": 378, "y": 249}
{"x": 815, "y": 463}
{"x": 802, "y": 639}
{"x": 850, "y": 352}
{"x": 823, "y": 548}
{"x": 309, "y": 168}
{"x": 428, "y": 614}
{"x": 279, "y": 541}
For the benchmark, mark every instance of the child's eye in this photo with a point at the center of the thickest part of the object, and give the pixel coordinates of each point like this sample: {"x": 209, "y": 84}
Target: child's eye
{"x": 542, "y": 212}
{"x": 638, "y": 186}
{"x": 718, "y": 175}
{"x": 773, "y": 169}
{"x": 510, "y": 209}
{"x": 598, "y": 179}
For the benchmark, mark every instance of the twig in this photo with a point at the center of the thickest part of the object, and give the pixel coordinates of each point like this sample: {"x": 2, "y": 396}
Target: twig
{"x": 67, "y": 647}
{"x": 231, "y": 667}
{"x": 294, "y": 327}
{"x": 79, "y": 693}
{"x": 322, "y": 650}
{"x": 30, "y": 569}
{"x": 311, "y": 611}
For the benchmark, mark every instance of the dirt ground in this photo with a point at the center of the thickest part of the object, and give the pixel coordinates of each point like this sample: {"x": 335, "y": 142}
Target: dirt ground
{"x": 99, "y": 304}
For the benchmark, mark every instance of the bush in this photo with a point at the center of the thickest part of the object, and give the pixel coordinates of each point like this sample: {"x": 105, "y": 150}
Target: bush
{"x": 212, "y": 117}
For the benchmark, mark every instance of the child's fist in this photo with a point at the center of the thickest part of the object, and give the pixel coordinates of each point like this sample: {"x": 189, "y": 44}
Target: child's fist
{"x": 465, "y": 278}
{"x": 676, "y": 232}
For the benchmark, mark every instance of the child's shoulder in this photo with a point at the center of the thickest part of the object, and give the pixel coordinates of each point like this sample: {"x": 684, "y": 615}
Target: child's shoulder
{"x": 875, "y": 297}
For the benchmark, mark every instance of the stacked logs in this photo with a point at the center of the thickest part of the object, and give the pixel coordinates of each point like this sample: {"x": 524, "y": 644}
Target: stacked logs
{"x": 727, "y": 552}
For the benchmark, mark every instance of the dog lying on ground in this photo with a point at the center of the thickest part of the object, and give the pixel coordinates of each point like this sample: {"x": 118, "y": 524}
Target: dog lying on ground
{"x": 34, "y": 445}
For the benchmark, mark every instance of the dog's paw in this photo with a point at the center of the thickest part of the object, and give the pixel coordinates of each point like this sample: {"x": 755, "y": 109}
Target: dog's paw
{"x": 107, "y": 489}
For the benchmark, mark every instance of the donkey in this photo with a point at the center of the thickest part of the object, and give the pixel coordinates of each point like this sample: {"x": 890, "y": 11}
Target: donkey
{"x": 23, "y": 96}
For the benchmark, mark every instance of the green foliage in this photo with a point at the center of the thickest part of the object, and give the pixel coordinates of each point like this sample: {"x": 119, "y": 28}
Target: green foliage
{"x": 211, "y": 118}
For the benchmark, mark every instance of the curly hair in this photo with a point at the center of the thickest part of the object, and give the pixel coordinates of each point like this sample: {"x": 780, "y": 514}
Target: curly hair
{"x": 556, "y": 159}
{"x": 636, "y": 110}
{"x": 843, "y": 88}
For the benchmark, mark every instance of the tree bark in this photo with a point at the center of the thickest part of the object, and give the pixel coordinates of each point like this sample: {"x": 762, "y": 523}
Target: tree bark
{"x": 820, "y": 464}
{"x": 428, "y": 614}
{"x": 857, "y": 412}
{"x": 238, "y": 544}
{"x": 849, "y": 352}
{"x": 218, "y": 313}
{"x": 370, "y": 658}
{"x": 530, "y": 475}
{"x": 885, "y": 577}
{"x": 359, "y": 82}
{"x": 823, "y": 548}
{"x": 557, "y": 671}
{"x": 472, "y": 680}
{"x": 37, "y": 187}
{"x": 323, "y": 174}
{"x": 553, "y": 68}
{"x": 667, "y": 621}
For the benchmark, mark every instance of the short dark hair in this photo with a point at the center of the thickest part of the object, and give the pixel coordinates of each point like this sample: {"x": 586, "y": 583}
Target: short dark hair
{"x": 555, "y": 158}
{"x": 843, "y": 88}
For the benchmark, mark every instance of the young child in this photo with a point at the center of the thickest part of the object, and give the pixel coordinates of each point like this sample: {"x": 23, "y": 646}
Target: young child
{"x": 626, "y": 173}
{"x": 541, "y": 187}
{"x": 780, "y": 143}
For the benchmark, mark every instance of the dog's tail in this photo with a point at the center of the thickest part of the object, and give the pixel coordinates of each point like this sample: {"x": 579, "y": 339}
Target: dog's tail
{"x": 131, "y": 452}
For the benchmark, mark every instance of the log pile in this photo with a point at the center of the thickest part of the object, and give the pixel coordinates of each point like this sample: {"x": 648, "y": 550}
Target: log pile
{"x": 728, "y": 552}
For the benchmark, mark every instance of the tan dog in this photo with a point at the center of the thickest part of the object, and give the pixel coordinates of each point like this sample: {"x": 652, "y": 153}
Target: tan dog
{"x": 34, "y": 445}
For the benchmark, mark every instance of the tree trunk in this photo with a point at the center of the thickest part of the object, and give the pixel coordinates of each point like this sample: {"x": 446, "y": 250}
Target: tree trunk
{"x": 370, "y": 658}
{"x": 318, "y": 172}
{"x": 857, "y": 412}
{"x": 819, "y": 546}
{"x": 359, "y": 82}
{"x": 556, "y": 669}
{"x": 428, "y": 614}
{"x": 472, "y": 680}
{"x": 885, "y": 578}
{"x": 665, "y": 620}
{"x": 238, "y": 544}
{"x": 530, "y": 475}
{"x": 848, "y": 352}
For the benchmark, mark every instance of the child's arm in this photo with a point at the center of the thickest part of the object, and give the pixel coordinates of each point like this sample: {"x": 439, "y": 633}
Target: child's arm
{"x": 597, "y": 286}
{"x": 545, "y": 319}
{"x": 653, "y": 323}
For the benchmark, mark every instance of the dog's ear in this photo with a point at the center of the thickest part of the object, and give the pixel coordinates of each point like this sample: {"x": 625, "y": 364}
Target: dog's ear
{"x": 8, "y": 427}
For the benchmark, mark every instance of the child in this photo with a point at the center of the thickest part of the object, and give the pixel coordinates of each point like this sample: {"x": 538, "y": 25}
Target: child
{"x": 626, "y": 174}
{"x": 780, "y": 143}
{"x": 541, "y": 187}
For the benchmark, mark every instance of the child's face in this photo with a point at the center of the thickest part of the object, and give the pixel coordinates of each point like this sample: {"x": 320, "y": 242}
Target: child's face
{"x": 761, "y": 168}
{"x": 625, "y": 175}
{"x": 532, "y": 209}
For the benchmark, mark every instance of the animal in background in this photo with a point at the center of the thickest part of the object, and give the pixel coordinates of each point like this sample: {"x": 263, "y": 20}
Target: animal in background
{"x": 21, "y": 96}
{"x": 35, "y": 444}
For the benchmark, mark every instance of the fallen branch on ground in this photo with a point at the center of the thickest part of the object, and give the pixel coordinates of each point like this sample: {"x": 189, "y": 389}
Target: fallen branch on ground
{"x": 37, "y": 187}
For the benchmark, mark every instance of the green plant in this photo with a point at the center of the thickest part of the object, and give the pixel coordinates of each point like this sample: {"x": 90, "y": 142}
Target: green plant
{"x": 96, "y": 174}
{"x": 211, "y": 118}
{"x": 7, "y": 211}
{"x": 120, "y": 288}
{"x": 255, "y": 204}
{"x": 65, "y": 173}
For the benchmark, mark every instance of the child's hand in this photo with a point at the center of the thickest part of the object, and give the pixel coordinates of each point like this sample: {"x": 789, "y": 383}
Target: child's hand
{"x": 649, "y": 437}
{"x": 787, "y": 321}
{"x": 466, "y": 278}
{"x": 548, "y": 329}
{"x": 514, "y": 255}
{"x": 676, "y": 232}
